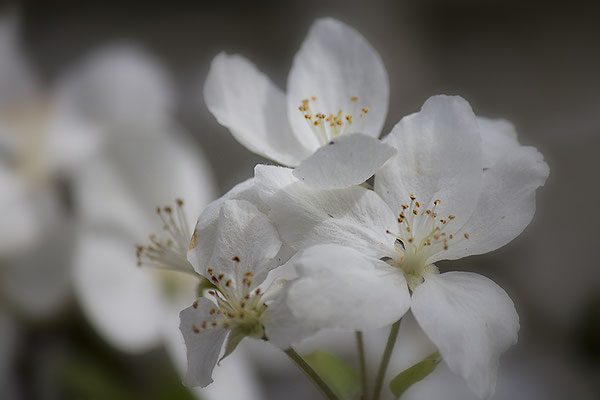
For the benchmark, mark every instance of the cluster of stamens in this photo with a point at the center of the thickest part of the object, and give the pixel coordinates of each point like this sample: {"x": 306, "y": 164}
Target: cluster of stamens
{"x": 422, "y": 227}
{"x": 169, "y": 251}
{"x": 329, "y": 126}
{"x": 237, "y": 303}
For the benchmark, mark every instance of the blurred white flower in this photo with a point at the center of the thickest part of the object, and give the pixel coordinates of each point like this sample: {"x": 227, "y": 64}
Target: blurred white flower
{"x": 145, "y": 161}
{"x": 441, "y": 197}
{"x": 337, "y": 85}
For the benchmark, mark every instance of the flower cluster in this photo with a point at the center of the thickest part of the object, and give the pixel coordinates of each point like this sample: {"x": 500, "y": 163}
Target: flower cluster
{"x": 363, "y": 222}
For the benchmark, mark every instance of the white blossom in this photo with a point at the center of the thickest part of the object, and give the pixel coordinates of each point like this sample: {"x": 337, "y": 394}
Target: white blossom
{"x": 369, "y": 255}
{"x": 337, "y": 86}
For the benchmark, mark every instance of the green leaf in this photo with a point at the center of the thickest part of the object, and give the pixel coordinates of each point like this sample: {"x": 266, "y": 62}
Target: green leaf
{"x": 414, "y": 374}
{"x": 340, "y": 376}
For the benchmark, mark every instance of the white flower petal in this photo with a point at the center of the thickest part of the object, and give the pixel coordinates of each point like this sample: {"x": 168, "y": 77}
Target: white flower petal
{"x": 334, "y": 64}
{"x": 122, "y": 302}
{"x": 345, "y": 161}
{"x": 505, "y": 207}
{"x": 471, "y": 320}
{"x": 203, "y": 345}
{"x": 17, "y": 79}
{"x": 439, "y": 157}
{"x": 205, "y": 232}
{"x": 120, "y": 85}
{"x": 354, "y": 216}
{"x": 122, "y": 186}
{"x": 20, "y": 227}
{"x": 244, "y": 100}
{"x": 339, "y": 287}
{"x": 246, "y": 242}
{"x": 498, "y": 138}
{"x": 281, "y": 327}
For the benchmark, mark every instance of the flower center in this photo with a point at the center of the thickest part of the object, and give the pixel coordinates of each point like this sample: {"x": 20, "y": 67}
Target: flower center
{"x": 238, "y": 304}
{"x": 327, "y": 125}
{"x": 170, "y": 250}
{"x": 422, "y": 232}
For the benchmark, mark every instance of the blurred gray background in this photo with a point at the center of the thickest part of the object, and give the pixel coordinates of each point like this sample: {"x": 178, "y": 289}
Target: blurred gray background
{"x": 536, "y": 64}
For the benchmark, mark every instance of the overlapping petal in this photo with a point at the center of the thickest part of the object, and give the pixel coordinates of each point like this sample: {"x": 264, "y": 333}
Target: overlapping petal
{"x": 344, "y": 161}
{"x": 471, "y": 320}
{"x": 244, "y": 100}
{"x": 354, "y": 216}
{"x": 246, "y": 242}
{"x": 439, "y": 157}
{"x": 340, "y": 287}
{"x": 334, "y": 64}
{"x": 506, "y": 204}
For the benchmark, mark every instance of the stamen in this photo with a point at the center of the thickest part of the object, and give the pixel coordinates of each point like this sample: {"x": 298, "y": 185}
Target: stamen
{"x": 169, "y": 251}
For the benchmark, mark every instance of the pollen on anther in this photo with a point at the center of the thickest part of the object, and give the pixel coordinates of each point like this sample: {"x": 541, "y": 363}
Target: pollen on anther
{"x": 412, "y": 197}
{"x": 416, "y": 212}
{"x": 404, "y": 206}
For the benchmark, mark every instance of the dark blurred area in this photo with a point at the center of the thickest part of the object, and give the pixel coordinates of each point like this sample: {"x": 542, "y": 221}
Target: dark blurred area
{"x": 536, "y": 64}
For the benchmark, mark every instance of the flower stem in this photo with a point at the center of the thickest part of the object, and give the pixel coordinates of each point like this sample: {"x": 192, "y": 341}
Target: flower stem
{"x": 363, "y": 365}
{"x": 385, "y": 359}
{"x": 312, "y": 374}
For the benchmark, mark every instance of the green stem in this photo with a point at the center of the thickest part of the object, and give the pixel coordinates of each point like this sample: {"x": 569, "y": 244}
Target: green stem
{"x": 385, "y": 359}
{"x": 311, "y": 373}
{"x": 363, "y": 365}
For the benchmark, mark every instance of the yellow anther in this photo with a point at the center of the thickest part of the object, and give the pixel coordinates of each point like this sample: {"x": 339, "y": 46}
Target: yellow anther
{"x": 313, "y": 98}
{"x": 436, "y": 202}
{"x": 307, "y": 116}
{"x": 404, "y": 206}
{"x": 195, "y": 329}
{"x": 353, "y": 98}
{"x": 412, "y": 197}
{"x": 305, "y": 102}
{"x": 466, "y": 235}
{"x": 418, "y": 204}
{"x": 365, "y": 109}
{"x": 349, "y": 118}
{"x": 443, "y": 221}
{"x": 416, "y": 212}
{"x": 317, "y": 122}
{"x": 451, "y": 216}
{"x": 411, "y": 239}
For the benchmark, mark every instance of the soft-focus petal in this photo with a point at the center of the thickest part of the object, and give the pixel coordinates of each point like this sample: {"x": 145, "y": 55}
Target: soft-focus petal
{"x": 244, "y": 100}
{"x": 17, "y": 80}
{"x": 471, "y": 320}
{"x": 354, "y": 216}
{"x": 345, "y": 161}
{"x": 122, "y": 302}
{"x": 20, "y": 227}
{"x": 498, "y": 138}
{"x": 246, "y": 242}
{"x": 119, "y": 85}
{"x": 439, "y": 157}
{"x": 205, "y": 232}
{"x": 203, "y": 345}
{"x": 335, "y": 64}
{"x": 505, "y": 207}
{"x": 339, "y": 287}
{"x": 121, "y": 186}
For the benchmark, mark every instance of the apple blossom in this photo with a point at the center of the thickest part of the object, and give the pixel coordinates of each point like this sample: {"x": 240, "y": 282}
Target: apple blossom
{"x": 446, "y": 194}
{"x": 337, "y": 86}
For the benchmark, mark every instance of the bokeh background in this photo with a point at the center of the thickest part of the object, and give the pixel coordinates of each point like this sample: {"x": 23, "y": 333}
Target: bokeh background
{"x": 535, "y": 64}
